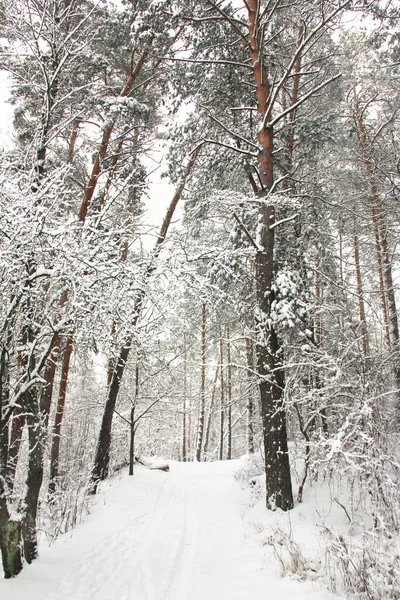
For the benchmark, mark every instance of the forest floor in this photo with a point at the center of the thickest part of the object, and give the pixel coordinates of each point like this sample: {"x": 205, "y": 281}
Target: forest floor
{"x": 190, "y": 534}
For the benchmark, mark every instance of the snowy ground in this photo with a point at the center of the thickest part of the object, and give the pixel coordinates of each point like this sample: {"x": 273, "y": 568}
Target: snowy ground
{"x": 183, "y": 535}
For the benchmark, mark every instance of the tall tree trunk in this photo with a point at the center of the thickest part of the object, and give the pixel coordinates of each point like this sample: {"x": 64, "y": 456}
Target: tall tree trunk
{"x": 222, "y": 399}
{"x": 211, "y": 410}
{"x": 17, "y": 426}
{"x": 36, "y": 442}
{"x": 269, "y": 354}
{"x": 229, "y": 390}
{"x": 360, "y": 290}
{"x": 250, "y": 397}
{"x": 132, "y": 422}
{"x": 37, "y": 403}
{"x": 184, "y": 450}
{"x": 202, "y": 399}
{"x": 62, "y": 394}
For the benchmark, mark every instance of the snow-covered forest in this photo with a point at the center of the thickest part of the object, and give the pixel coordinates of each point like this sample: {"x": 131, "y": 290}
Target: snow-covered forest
{"x": 247, "y": 308}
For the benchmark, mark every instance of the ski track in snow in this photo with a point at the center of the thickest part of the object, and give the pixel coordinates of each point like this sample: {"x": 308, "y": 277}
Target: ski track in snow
{"x": 159, "y": 536}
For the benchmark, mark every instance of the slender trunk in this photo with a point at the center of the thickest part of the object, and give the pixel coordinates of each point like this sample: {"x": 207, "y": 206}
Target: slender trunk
{"x": 132, "y": 422}
{"x": 184, "y": 398}
{"x": 189, "y": 432}
{"x": 211, "y": 410}
{"x": 17, "y": 426}
{"x": 202, "y": 385}
{"x": 72, "y": 141}
{"x": 132, "y": 441}
{"x": 62, "y": 394}
{"x": 360, "y": 291}
{"x": 222, "y": 400}
{"x": 250, "y": 398}
{"x": 229, "y": 390}
{"x": 318, "y": 325}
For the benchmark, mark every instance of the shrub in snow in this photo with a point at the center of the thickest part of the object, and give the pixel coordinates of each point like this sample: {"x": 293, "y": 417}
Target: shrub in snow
{"x": 290, "y": 556}
{"x": 250, "y": 469}
{"x": 368, "y": 566}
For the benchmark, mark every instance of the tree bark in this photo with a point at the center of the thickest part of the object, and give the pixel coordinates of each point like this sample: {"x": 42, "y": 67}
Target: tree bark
{"x": 211, "y": 410}
{"x": 132, "y": 422}
{"x": 17, "y": 426}
{"x": 250, "y": 398}
{"x": 222, "y": 399}
{"x": 229, "y": 390}
{"x": 10, "y": 530}
{"x": 184, "y": 450}
{"x": 202, "y": 398}
{"x": 62, "y": 394}
{"x": 360, "y": 290}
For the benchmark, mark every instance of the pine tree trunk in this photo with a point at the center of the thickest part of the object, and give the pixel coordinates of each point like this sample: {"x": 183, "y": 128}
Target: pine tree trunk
{"x": 200, "y": 431}
{"x": 222, "y": 400}
{"x": 102, "y": 459}
{"x": 211, "y": 410}
{"x": 269, "y": 354}
{"x": 62, "y": 394}
{"x": 360, "y": 291}
{"x": 229, "y": 390}
{"x": 132, "y": 441}
{"x": 184, "y": 450}
{"x": 132, "y": 421}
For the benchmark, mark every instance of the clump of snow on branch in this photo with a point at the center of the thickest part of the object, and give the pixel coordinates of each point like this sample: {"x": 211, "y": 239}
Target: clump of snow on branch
{"x": 288, "y": 308}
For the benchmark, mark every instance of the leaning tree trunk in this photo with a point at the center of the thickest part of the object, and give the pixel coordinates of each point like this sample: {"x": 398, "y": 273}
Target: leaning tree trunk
{"x": 269, "y": 354}
{"x": 62, "y": 394}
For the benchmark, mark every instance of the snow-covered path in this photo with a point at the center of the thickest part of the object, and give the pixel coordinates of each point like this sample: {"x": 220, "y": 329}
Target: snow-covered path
{"x": 160, "y": 536}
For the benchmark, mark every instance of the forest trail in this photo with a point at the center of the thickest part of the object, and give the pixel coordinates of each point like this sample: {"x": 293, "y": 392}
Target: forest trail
{"x": 160, "y": 536}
